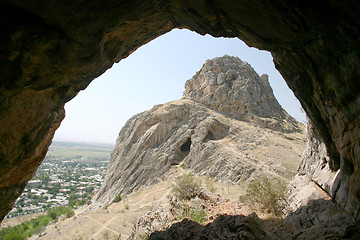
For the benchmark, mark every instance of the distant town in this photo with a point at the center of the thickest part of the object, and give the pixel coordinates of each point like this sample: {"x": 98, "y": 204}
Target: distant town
{"x": 69, "y": 175}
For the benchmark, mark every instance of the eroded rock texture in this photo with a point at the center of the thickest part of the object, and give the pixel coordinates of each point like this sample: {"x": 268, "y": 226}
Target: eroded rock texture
{"x": 52, "y": 49}
{"x": 207, "y": 138}
{"x": 232, "y": 87}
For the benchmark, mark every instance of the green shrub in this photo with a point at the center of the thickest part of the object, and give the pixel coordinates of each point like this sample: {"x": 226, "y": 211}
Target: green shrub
{"x": 12, "y": 235}
{"x": 117, "y": 198}
{"x": 69, "y": 212}
{"x": 265, "y": 194}
{"x": 52, "y": 214}
{"x": 186, "y": 187}
{"x": 195, "y": 213}
{"x": 35, "y": 225}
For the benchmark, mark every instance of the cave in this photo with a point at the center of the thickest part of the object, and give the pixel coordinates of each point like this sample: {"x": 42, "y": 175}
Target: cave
{"x": 185, "y": 147}
{"x": 52, "y": 50}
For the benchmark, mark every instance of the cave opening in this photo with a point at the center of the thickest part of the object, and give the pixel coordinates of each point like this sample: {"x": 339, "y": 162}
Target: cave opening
{"x": 92, "y": 116}
{"x": 298, "y": 46}
{"x": 185, "y": 147}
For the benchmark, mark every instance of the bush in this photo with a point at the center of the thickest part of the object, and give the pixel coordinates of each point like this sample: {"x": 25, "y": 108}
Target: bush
{"x": 35, "y": 225}
{"x": 52, "y": 214}
{"x": 117, "y": 198}
{"x": 195, "y": 213}
{"x": 14, "y": 236}
{"x": 186, "y": 187}
{"x": 268, "y": 195}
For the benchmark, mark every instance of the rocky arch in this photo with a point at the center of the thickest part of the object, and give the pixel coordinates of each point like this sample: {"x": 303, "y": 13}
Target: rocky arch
{"x": 51, "y": 50}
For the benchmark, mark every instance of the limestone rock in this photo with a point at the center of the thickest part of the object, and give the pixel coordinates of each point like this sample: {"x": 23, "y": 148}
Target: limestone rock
{"x": 198, "y": 137}
{"x": 232, "y": 87}
{"x": 312, "y": 211}
{"x": 319, "y": 219}
{"x": 315, "y": 177}
{"x": 175, "y": 223}
{"x": 154, "y": 220}
{"x": 316, "y": 162}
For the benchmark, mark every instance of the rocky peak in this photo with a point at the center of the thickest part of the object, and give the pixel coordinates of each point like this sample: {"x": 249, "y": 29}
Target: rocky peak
{"x": 232, "y": 87}
{"x": 205, "y": 131}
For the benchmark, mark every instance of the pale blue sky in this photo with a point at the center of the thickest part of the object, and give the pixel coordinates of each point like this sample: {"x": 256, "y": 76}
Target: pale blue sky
{"x": 155, "y": 74}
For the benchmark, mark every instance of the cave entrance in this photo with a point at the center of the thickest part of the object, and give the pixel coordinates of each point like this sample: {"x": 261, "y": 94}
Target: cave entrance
{"x": 185, "y": 147}
{"x": 151, "y": 76}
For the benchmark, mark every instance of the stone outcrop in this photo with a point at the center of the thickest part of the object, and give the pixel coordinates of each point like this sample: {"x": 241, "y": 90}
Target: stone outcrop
{"x": 312, "y": 212}
{"x": 50, "y": 50}
{"x": 230, "y": 86}
{"x": 224, "y": 227}
{"x": 208, "y": 141}
{"x": 222, "y": 216}
{"x": 314, "y": 179}
{"x": 319, "y": 219}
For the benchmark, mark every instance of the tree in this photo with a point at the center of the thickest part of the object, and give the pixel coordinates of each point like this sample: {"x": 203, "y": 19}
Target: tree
{"x": 89, "y": 189}
{"x": 73, "y": 197}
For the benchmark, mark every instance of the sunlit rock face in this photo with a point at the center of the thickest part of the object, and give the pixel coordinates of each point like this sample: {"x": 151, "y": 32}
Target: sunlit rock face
{"x": 50, "y": 50}
{"x": 232, "y": 87}
{"x": 207, "y": 132}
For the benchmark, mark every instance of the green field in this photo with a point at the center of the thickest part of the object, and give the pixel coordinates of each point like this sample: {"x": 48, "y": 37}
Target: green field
{"x": 75, "y": 150}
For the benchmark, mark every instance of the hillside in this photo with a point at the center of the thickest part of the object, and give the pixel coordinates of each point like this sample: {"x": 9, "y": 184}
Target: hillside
{"x": 206, "y": 132}
{"x": 118, "y": 220}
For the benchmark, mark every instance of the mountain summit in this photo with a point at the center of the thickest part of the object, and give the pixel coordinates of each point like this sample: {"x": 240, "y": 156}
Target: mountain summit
{"x": 232, "y": 87}
{"x": 223, "y": 127}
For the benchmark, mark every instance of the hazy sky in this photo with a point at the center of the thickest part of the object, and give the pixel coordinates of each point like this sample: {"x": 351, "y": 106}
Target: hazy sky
{"x": 155, "y": 74}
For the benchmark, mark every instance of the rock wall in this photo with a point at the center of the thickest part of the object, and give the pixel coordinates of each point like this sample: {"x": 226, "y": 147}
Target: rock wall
{"x": 315, "y": 178}
{"x": 51, "y": 50}
{"x": 312, "y": 212}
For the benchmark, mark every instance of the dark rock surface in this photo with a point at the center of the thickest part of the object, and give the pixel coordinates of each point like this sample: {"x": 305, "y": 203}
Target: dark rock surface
{"x": 51, "y": 50}
{"x": 223, "y": 227}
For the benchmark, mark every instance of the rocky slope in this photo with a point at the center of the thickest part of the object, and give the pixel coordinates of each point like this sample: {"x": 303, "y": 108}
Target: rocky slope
{"x": 150, "y": 209}
{"x": 228, "y": 126}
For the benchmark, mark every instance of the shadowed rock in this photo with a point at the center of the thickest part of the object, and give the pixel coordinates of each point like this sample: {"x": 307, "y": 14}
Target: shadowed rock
{"x": 223, "y": 227}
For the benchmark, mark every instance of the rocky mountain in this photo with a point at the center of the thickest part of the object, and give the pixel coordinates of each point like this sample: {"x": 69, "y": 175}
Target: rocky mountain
{"x": 228, "y": 126}
{"x": 232, "y": 87}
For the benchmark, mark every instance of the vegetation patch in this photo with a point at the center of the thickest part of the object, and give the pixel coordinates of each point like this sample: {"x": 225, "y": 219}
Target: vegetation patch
{"x": 186, "y": 187}
{"x": 117, "y": 198}
{"x": 196, "y": 213}
{"x": 266, "y": 195}
{"x": 36, "y": 225}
